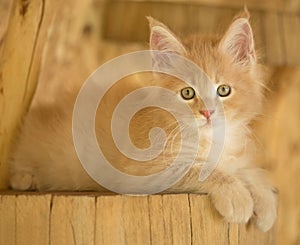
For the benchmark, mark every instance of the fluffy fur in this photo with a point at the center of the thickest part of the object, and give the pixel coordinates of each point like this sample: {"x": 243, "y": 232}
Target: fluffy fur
{"x": 45, "y": 158}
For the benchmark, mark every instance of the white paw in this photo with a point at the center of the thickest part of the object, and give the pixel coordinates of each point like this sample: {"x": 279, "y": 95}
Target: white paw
{"x": 234, "y": 202}
{"x": 21, "y": 181}
{"x": 265, "y": 208}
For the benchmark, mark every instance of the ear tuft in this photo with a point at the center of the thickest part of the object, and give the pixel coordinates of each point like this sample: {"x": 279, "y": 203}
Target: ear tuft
{"x": 238, "y": 42}
{"x": 162, "y": 39}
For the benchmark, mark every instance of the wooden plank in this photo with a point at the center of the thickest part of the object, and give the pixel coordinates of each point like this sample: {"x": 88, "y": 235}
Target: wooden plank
{"x": 207, "y": 225}
{"x": 203, "y": 19}
{"x": 189, "y": 19}
{"x": 122, "y": 220}
{"x": 111, "y": 49}
{"x": 280, "y": 134}
{"x": 7, "y": 219}
{"x": 291, "y": 28}
{"x": 15, "y": 66}
{"x": 72, "y": 220}
{"x": 290, "y": 6}
{"x": 157, "y": 224}
{"x": 273, "y": 34}
{"x": 115, "y": 219}
{"x": 32, "y": 219}
{"x": 51, "y": 30}
{"x": 177, "y": 219}
{"x": 259, "y": 35}
{"x": 249, "y": 235}
{"x": 134, "y": 28}
{"x": 109, "y": 223}
{"x": 136, "y": 220}
{"x": 74, "y": 37}
{"x": 233, "y": 234}
{"x": 169, "y": 224}
{"x": 4, "y": 13}
{"x": 28, "y": 24}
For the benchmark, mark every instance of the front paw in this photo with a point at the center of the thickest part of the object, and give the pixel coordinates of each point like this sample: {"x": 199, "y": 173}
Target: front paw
{"x": 21, "y": 181}
{"x": 234, "y": 202}
{"x": 265, "y": 208}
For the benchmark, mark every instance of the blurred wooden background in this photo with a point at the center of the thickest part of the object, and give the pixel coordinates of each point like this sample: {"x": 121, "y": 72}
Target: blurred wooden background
{"x": 276, "y": 23}
{"x": 60, "y": 43}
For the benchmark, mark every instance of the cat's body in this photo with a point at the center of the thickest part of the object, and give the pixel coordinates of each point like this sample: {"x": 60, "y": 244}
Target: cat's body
{"x": 45, "y": 158}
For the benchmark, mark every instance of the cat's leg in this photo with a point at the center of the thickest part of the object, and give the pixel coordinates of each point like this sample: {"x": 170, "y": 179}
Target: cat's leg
{"x": 264, "y": 196}
{"x": 21, "y": 181}
{"x": 228, "y": 193}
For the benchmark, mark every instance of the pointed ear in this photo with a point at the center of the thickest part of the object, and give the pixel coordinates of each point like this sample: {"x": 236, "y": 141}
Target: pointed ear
{"x": 238, "y": 42}
{"x": 162, "y": 39}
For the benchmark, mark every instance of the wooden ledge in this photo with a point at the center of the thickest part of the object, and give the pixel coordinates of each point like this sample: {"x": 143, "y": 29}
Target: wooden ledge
{"x": 90, "y": 218}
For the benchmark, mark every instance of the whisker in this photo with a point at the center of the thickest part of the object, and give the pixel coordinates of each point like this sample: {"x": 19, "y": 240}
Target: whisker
{"x": 173, "y": 139}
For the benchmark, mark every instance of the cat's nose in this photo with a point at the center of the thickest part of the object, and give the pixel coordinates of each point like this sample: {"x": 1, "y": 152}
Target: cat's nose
{"x": 207, "y": 113}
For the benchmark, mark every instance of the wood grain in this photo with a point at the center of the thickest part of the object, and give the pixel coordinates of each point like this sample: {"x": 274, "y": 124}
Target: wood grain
{"x": 292, "y": 6}
{"x": 256, "y": 21}
{"x": 280, "y": 134}
{"x": 176, "y": 220}
{"x": 109, "y": 222}
{"x": 4, "y": 13}
{"x": 32, "y": 219}
{"x": 273, "y": 38}
{"x": 189, "y": 19}
{"x": 276, "y": 31}
{"x": 71, "y": 218}
{"x": 291, "y": 32}
{"x": 16, "y": 73}
{"x": 29, "y": 24}
{"x": 42, "y": 27}
{"x": 71, "y": 40}
{"x": 213, "y": 229}
{"x": 7, "y": 220}
{"x": 135, "y": 217}
{"x": 249, "y": 235}
{"x": 157, "y": 223}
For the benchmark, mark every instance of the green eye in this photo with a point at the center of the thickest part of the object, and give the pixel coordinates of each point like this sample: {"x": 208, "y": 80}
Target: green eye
{"x": 224, "y": 90}
{"x": 188, "y": 93}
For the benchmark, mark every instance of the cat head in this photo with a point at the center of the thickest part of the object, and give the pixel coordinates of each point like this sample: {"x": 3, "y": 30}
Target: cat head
{"x": 230, "y": 63}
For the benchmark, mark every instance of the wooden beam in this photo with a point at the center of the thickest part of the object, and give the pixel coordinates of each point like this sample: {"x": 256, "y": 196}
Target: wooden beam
{"x": 292, "y": 6}
{"x": 291, "y": 32}
{"x": 70, "y": 218}
{"x": 189, "y": 19}
{"x": 19, "y": 66}
{"x": 75, "y": 224}
{"x": 44, "y": 42}
{"x": 280, "y": 133}
{"x": 31, "y": 213}
{"x": 8, "y": 219}
{"x": 273, "y": 37}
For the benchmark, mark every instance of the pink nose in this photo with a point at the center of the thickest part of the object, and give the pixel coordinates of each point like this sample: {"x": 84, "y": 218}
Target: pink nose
{"x": 207, "y": 113}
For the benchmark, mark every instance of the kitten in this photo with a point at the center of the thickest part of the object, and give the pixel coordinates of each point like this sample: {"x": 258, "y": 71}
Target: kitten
{"x": 45, "y": 158}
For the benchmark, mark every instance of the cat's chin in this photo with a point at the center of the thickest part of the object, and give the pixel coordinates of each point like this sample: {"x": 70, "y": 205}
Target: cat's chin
{"x": 204, "y": 124}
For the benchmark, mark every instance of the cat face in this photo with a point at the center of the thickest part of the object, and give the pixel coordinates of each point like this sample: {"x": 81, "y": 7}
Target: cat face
{"x": 230, "y": 64}
{"x": 232, "y": 86}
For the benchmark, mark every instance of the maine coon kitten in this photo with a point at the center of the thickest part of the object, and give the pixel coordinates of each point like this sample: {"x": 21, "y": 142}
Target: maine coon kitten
{"x": 45, "y": 158}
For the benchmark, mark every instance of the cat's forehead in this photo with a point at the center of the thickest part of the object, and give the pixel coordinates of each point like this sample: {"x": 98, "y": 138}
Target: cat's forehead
{"x": 198, "y": 45}
{"x": 205, "y": 87}
{"x": 205, "y": 53}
